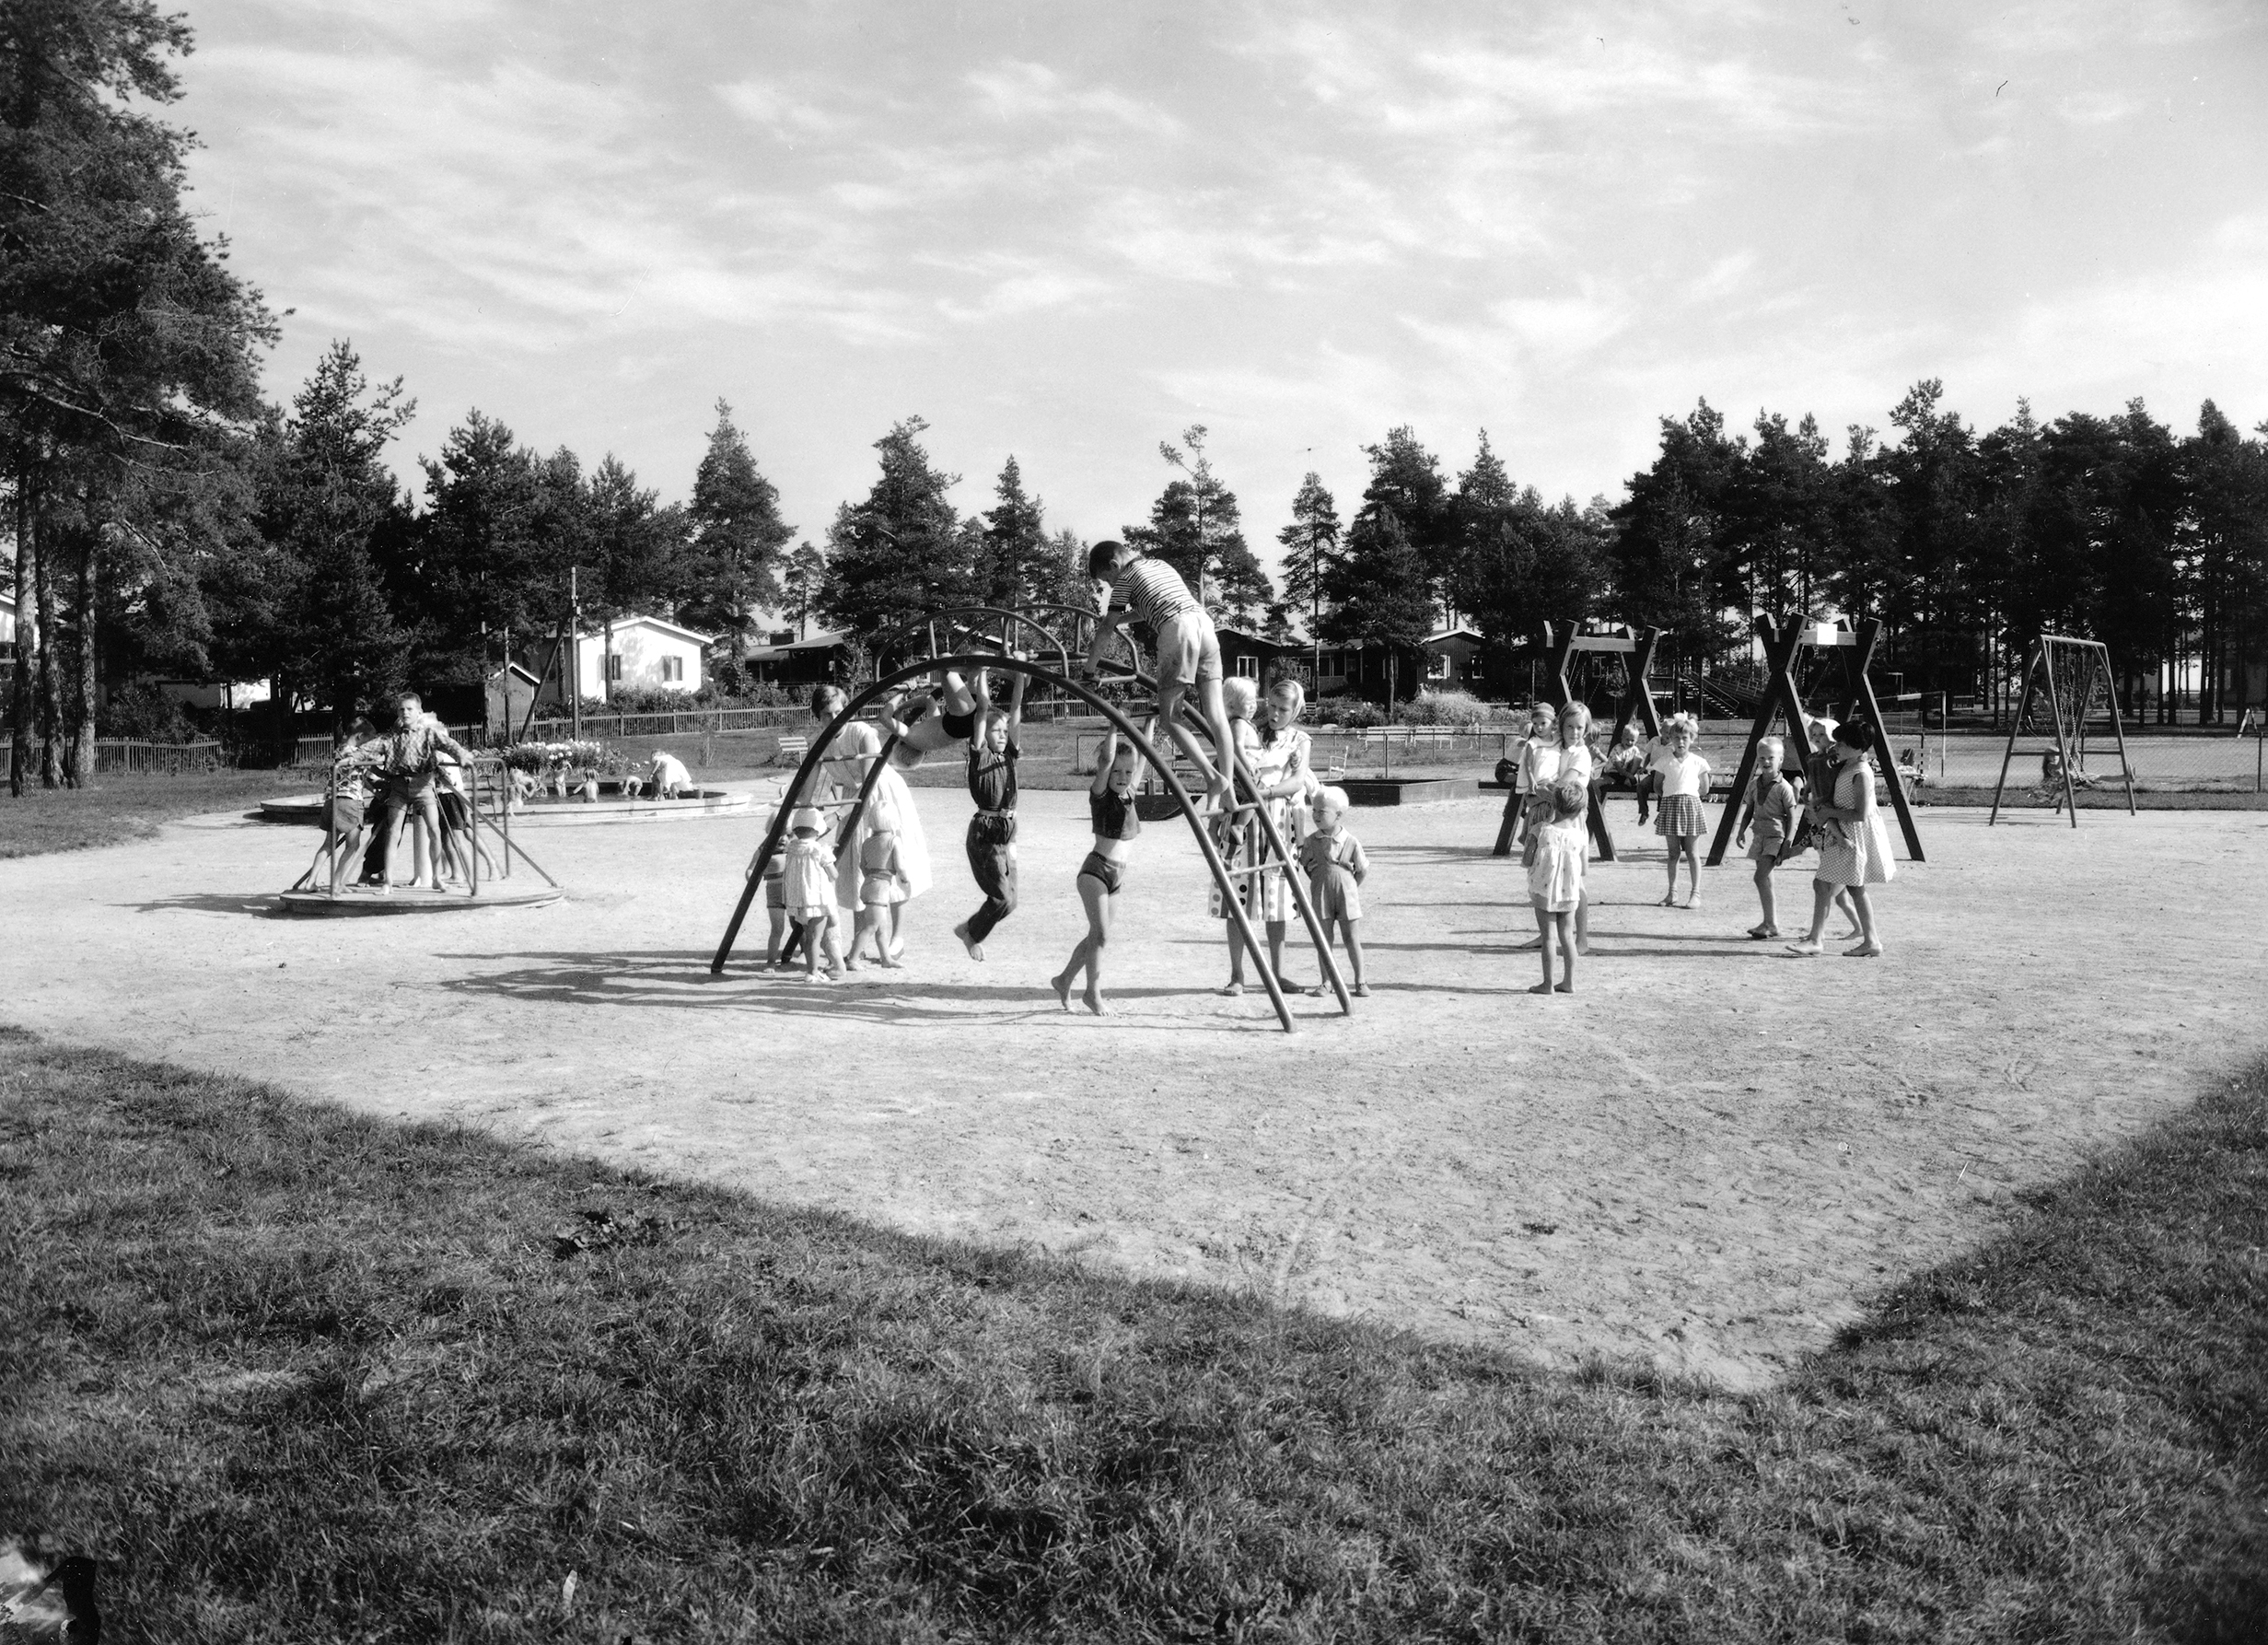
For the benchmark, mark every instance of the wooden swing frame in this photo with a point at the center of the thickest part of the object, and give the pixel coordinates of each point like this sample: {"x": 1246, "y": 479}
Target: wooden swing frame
{"x": 1562, "y": 643}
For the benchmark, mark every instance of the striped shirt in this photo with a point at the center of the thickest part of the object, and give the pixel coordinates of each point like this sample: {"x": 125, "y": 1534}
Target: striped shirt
{"x": 415, "y": 752}
{"x": 1152, "y": 590}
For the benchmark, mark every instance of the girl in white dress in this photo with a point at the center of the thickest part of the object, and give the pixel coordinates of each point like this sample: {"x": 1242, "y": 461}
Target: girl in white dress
{"x": 1854, "y": 853}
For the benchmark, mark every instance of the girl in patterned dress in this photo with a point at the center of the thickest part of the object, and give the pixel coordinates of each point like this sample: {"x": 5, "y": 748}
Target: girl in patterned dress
{"x": 1334, "y": 862}
{"x": 1855, "y": 848}
{"x": 1684, "y": 779}
{"x": 1266, "y": 902}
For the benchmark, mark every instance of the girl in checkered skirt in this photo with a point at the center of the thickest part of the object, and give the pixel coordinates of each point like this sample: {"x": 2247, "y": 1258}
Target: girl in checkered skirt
{"x": 1684, "y": 779}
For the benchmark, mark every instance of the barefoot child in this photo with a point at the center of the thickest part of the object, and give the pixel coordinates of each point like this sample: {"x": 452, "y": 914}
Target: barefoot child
{"x": 1772, "y": 816}
{"x": 1134, "y": 587}
{"x": 881, "y": 889}
{"x": 1555, "y": 878}
{"x": 1819, "y": 788}
{"x": 1334, "y": 862}
{"x": 781, "y": 944}
{"x": 809, "y": 891}
{"x": 1110, "y": 808}
{"x": 1854, "y": 847}
{"x": 1684, "y": 778}
{"x": 1263, "y": 896}
{"x": 1539, "y": 758}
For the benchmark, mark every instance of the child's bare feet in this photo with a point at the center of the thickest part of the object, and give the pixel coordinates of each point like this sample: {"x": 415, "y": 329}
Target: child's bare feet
{"x": 1804, "y": 949}
{"x": 976, "y": 949}
{"x": 1865, "y": 951}
{"x": 887, "y": 964}
{"x": 1529, "y": 947}
{"x": 1540, "y": 988}
{"x": 1232, "y": 990}
{"x": 1565, "y": 988}
{"x": 1583, "y": 948}
{"x": 1361, "y": 990}
{"x": 1094, "y": 1003}
{"x": 1062, "y": 984}
{"x": 1669, "y": 902}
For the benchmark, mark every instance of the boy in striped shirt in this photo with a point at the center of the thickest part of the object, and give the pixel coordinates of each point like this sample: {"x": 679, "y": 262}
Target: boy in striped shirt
{"x": 1188, "y": 650}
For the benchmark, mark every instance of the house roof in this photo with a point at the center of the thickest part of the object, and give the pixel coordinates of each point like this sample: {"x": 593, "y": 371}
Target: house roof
{"x": 680, "y": 630}
{"x": 1453, "y": 634}
{"x": 524, "y": 673}
{"x": 826, "y": 640}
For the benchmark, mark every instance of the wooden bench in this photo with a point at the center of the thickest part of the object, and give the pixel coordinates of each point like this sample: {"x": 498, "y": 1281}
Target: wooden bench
{"x": 791, "y": 751}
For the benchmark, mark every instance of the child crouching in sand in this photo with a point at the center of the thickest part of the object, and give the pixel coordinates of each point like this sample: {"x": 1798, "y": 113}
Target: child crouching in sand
{"x": 1334, "y": 862}
{"x": 1555, "y": 878}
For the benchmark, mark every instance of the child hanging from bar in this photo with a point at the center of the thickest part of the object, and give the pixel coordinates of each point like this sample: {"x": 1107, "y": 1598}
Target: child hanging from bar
{"x": 1111, "y": 810}
{"x": 993, "y": 754}
{"x": 929, "y": 724}
{"x": 1134, "y": 587}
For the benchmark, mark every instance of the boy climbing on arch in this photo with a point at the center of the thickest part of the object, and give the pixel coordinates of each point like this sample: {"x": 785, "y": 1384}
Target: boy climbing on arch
{"x": 1188, "y": 650}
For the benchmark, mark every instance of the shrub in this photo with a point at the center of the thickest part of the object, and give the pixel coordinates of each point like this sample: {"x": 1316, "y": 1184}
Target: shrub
{"x": 1458, "y": 708}
{"x": 142, "y": 712}
{"x": 1353, "y": 713}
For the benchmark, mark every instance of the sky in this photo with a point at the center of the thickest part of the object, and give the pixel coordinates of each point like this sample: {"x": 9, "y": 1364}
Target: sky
{"x": 1067, "y": 232}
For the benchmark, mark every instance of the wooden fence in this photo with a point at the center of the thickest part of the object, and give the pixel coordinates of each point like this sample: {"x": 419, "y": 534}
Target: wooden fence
{"x": 126, "y": 754}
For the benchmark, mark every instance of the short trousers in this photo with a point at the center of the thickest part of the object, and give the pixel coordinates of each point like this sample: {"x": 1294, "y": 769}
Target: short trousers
{"x": 342, "y": 813}
{"x": 454, "y": 812}
{"x": 991, "y": 828}
{"x": 1188, "y": 650}
{"x": 960, "y": 726}
{"x": 1099, "y": 867}
{"x": 878, "y": 891}
{"x": 775, "y": 891}
{"x": 1765, "y": 848}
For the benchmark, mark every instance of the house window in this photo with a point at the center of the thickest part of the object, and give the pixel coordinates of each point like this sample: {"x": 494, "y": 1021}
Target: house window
{"x": 1439, "y": 669}
{"x": 673, "y": 668}
{"x": 614, "y": 665}
{"x": 1247, "y": 667}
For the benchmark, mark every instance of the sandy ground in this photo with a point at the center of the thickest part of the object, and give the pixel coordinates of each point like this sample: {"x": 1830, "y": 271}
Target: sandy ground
{"x": 1706, "y": 1156}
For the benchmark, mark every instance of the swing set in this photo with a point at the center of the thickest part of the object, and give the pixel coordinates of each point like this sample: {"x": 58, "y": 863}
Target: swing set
{"x": 1563, "y": 642}
{"x": 2070, "y": 699}
{"x": 1784, "y": 642}
{"x": 973, "y": 626}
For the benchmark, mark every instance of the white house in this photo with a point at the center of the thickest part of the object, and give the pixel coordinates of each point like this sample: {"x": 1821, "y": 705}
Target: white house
{"x": 639, "y": 653}
{"x": 7, "y": 626}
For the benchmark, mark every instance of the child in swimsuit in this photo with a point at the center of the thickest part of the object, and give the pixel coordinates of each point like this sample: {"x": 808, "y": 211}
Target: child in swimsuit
{"x": 810, "y": 893}
{"x": 882, "y": 887}
{"x": 1334, "y": 862}
{"x": 1111, "y": 806}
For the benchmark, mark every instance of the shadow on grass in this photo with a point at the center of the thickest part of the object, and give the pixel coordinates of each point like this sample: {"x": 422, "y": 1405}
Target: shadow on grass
{"x": 296, "y": 1374}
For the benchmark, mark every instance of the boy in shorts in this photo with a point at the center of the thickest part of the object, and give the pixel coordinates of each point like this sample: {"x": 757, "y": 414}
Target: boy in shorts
{"x": 1188, "y": 650}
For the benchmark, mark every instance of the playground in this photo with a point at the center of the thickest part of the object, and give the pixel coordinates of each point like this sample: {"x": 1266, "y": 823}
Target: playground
{"x": 1703, "y": 1158}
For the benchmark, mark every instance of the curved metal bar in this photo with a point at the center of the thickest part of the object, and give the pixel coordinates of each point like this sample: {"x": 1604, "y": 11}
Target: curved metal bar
{"x": 1014, "y": 665}
{"x": 954, "y": 616}
{"x": 1087, "y": 614}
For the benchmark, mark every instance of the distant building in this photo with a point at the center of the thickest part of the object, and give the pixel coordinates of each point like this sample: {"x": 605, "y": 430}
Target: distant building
{"x": 639, "y": 654}
{"x": 825, "y": 656}
{"x": 1459, "y": 659}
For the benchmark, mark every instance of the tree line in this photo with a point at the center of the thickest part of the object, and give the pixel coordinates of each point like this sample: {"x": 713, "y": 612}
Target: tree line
{"x": 164, "y": 519}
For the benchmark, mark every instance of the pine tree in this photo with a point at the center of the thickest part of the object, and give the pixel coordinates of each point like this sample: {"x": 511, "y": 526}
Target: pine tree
{"x": 1195, "y": 527}
{"x": 737, "y": 538}
{"x": 1016, "y": 566}
{"x": 1311, "y": 543}
{"x": 1377, "y": 592}
{"x": 1520, "y": 565}
{"x": 904, "y": 553}
{"x": 128, "y": 353}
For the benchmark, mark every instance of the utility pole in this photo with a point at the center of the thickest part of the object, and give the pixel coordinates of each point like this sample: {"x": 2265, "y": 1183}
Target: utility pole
{"x": 575, "y": 652}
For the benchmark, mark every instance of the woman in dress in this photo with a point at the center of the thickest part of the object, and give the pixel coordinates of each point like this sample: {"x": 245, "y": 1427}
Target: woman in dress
{"x": 1854, "y": 847}
{"x": 842, "y": 771}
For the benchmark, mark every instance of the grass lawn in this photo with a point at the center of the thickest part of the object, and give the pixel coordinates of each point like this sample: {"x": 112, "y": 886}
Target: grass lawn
{"x": 128, "y": 807}
{"x": 298, "y": 1375}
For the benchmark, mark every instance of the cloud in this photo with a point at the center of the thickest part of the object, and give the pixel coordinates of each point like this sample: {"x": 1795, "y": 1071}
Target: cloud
{"x": 1030, "y": 91}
